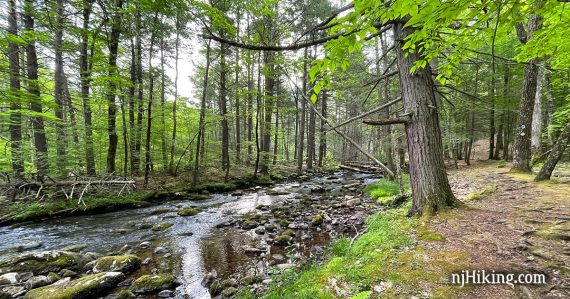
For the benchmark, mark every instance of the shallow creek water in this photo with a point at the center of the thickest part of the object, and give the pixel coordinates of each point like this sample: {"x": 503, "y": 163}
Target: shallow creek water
{"x": 205, "y": 249}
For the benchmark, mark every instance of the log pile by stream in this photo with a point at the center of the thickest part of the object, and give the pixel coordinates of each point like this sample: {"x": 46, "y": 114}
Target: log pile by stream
{"x": 72, "y": 187}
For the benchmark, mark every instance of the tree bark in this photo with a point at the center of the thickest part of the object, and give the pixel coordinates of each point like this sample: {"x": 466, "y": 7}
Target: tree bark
{"x": 40, "y": 140}
{"x": 237, "y": 95}
{"x": 268, "y": 61}
{"x": 175, "y": 102}
{"x": 536, "y": 130}
{"x": 301, "y": 133}
{"x": 323, "y": 137}
{"x": 15, "y": 126}
{"x": 522, "y": 144}
{"x": 202, "y": 120}
{"x": 112, "y": 85}
{"x": 224, "y": 110}
{"x": 555, "y": 155}
{"x": 164, "y": 147}
{"x": 60, "y": 124}
{"x": 147, "y": 163}
{"x": 430, "y": 187}
{"x": 136, "y": 156}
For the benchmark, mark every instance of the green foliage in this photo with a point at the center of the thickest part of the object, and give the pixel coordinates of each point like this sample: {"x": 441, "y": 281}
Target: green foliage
{"x": 384, "y": 189}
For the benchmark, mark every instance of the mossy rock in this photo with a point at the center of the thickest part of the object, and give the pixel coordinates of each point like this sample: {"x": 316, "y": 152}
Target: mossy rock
{"x": 249, "y": 224}
{"x": 152, "y": 283}
{"x": 90, "y": 286}
{"x": 125, "y": 294}
{"x": 75, "y": 248}
{"x": 188, "y": 211}
{"x": 229, "y": 292}
{"x": 282, "y": 240}
{"x": 288, "y": 232}
{"x": 161, "y": 226}
{"x": 317, "y": 220}
{"x": 284, "y": 222}
{"x": 117, "y": 263}
{"x": 45, "y": 262}
{"x": 197, "y": 196}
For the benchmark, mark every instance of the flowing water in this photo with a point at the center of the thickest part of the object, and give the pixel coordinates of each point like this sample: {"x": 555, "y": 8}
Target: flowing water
{"x": 200, "y": 246}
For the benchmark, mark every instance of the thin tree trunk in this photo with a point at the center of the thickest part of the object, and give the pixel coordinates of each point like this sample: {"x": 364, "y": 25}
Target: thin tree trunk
{"x": 237, "y": 95}
{"x": 135, "y": 166}
{"x": 125, "y": 138}
{"x": 555, "y": 155}
{"x": 301, "y": 134}
{"x": 147, "y": 164}
{"x": 224, "y": 110}
{"x": 385, "y": 131}
{"x": 112, "y": 85}
{"x": 268, "y": 60}
{"x": 536, "y": 130}
{"x": 507, "y": 138}
{"x": 175, "y": 102}
{"x": 15, "y": 126}
{"x": 60, "y": 124}
{"x": 276, "y": 134}
{"x": 549, "y": 111}
{"x": 85, "y": 75}
{"x": 131, "y": 97}
{"x": 202, "y": 118}
{"x": 164, "y": 147}
{"x": 323, "y": 137}
{"x": 40, "y": 140}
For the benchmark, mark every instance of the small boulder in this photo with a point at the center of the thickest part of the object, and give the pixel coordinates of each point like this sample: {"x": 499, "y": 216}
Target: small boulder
{"x": 38, "y": 281}
{"x": 117, "y": 263}
{"x": 28, "y": 246}
{"x": 90, "y": 286}
{"x": 75, "y": 248}
{"x": 166, "y": 294}
{"x": 317, "y": 220}
{"x": 229, "y": 292}
{"x": 285, "y": 266}
{"x": 260, "y": 230}
{"x": 67, "y": 273}
{"x": 230, "y": 282}
{"x": 44, "y": 262}
{"x": 15, "y": 291}
{"x": 282, "y": 240}
{"x": 9, "y": 278}
{"x": 161, "y": 226}
{"x": 188, "y": 211}
{"x": 152, "y": 283}
{"x": 353, "y": 202}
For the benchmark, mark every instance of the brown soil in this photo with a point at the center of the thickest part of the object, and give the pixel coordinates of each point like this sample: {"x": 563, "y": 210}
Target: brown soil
{"x": 510, "y": 224}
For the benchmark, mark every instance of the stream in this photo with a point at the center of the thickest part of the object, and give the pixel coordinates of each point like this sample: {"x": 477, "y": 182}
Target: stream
{"x": 213, "y": 240}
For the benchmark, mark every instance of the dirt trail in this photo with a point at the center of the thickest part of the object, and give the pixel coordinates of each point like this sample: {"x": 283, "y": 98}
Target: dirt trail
{"x": 511, "y": 224}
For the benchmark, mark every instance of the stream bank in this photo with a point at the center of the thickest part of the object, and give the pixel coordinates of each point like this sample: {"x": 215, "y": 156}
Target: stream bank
{"x": 231, "y": 239}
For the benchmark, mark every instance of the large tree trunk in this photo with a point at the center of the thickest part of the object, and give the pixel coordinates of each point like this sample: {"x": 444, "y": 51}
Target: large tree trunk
{"x": 430, "y": 187}
{"x": 522, "y": 150}
{"x": 202, "y": 120}
{"x": 549, "y": 110}
{"x": 555, "y": 155}
{"x": 40, "y": 140}
{"x": 112, "y": 86}
{"x": 15, "y": 116}
{"x": 85, "y": 75}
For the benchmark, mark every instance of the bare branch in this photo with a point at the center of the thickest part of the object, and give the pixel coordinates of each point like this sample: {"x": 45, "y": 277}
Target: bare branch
{"x": 384, "y": 106}
{"x": 386, "y": 122}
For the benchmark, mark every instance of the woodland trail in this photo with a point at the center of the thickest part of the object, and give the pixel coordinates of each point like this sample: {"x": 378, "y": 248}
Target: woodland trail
{"x": 511, "y": 224}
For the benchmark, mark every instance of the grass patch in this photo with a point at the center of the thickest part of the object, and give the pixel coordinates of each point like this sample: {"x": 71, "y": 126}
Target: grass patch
{"x": 384, "y": 190}
{"x": 386, "y": 254}
{"x": 479, "y": 195}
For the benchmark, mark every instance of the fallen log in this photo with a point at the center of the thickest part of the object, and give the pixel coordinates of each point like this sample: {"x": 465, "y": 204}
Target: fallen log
{"x": 342, "y": 166}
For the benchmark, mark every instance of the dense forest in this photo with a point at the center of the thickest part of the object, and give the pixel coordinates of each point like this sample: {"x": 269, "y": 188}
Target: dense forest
{"x": 143, "y": 100}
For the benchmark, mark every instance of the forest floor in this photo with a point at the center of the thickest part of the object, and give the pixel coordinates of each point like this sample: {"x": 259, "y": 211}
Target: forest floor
{"x": 509, "y": 224}
{"x": 512, "y": 225}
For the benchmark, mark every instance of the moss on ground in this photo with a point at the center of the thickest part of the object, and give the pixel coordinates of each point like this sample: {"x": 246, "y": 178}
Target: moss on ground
{"x": 386, "y": 256}
{"x": 486, "y": 192}
{"x": 385, "y": 190}
{"x": 36, "y": 210}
